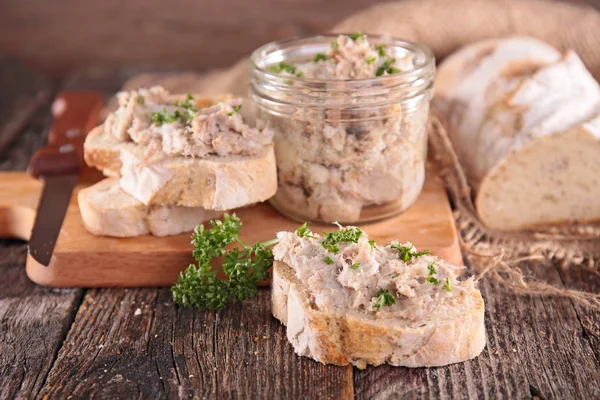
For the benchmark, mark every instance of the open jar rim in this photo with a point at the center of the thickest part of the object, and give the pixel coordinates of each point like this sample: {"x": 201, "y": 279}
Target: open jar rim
{"x": 271, "y": 88}
{"x": 273, "y": 53}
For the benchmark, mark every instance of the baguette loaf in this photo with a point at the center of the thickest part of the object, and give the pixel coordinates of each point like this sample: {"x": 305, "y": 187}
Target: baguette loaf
{"x": 107, "y": 210}
{"x": 521, "y": 119}
{"x": 331, "y": 305}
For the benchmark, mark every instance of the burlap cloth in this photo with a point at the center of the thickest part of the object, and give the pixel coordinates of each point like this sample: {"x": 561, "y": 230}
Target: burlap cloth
{"x": 444, "y": 26}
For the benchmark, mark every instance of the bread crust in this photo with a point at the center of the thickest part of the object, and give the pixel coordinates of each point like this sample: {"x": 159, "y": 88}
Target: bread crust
{"x": 353, "y": 338}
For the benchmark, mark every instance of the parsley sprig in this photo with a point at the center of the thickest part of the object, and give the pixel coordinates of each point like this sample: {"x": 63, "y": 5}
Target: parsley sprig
{"x": 320, "y": 57}
{"x": 387, "y": 67}
{"x": 283, "y": 66}
{"x": 235, "y": 109}
{"x": 348, "y": 235}
{"x": 384, "y": 298}
{"x": 185, "y": 112}
{"x": 446, "y": 286}
{"x": 356, "y": 35}
{"x": 431, "y": 278}
{"x": 199, "y": 285}
{"x": 304, "y": 231}
{"x": 407, "y": 253}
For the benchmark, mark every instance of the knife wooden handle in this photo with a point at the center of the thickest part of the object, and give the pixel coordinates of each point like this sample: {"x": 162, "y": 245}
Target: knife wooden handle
{"x": 75, "y": 114}
{"x": 54, "y": 160}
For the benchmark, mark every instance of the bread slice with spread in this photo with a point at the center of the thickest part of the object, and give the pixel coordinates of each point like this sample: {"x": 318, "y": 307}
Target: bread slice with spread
{"x": 173, "y": 162}
{"x": 188, "y": 152}
{"x": 522, "y": 118}
{"x": 346, "y": 300}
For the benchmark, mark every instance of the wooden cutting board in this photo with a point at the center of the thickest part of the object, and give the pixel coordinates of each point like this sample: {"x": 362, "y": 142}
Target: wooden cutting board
{"x": 81, "y": 259}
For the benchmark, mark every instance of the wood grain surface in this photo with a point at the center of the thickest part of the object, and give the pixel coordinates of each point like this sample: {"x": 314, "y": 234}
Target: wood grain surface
{"x": 95, "y": 343}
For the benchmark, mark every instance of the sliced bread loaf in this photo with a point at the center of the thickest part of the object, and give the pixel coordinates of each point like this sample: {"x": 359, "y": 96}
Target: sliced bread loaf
{"x": 368, "y": 304}
{"x": 518, "y": 121}
{"x": 107, "y": 210}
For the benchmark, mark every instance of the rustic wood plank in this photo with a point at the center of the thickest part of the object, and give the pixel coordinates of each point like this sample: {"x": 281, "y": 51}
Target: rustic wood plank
{"x": 535, "y": 347}
{"x": 33, "y": 323}
{"x": 33, "y": 320}
{"x": 135, "y": 343}
{"x": 588, "y": 280}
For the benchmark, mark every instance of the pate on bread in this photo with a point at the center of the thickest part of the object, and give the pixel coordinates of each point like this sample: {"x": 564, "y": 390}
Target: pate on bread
{"x": 174, "y": 162}
{"x": 352, "y": 301}
{"x": 181, "y": 151}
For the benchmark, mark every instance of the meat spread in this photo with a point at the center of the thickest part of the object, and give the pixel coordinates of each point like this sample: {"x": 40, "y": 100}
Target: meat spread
{"x": 365, "y": 277}
{"x": 349, "y": 57}
{"x": 333, "y": 165}
{"x": 153, "y": 116}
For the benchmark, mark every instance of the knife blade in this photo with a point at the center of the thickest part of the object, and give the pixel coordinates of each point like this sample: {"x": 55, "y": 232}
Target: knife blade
{"x": 60, "y": 165}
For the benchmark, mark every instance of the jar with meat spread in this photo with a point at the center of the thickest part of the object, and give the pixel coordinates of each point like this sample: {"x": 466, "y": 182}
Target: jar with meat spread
{"x": 349, "y": 114}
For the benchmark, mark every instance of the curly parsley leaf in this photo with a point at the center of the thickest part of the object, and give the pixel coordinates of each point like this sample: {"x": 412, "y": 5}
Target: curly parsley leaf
{"x": 328, "y": 260}
{"x": 370, "y": 60}
{"x": 199, "y": 285}
{"x": 236, "y": 109}
{"x": 381, "y": 50}
{"x": 348, "y": 235}
{"x": 446, "y": 286}
{"x": 355, "y": 266}
{"x": 283, "y": 66}
{"x": 356, "y": 35}
{"x": 384, "y": 298}
{"x": 387, "y": 67}
{"x": 320, "y": 57}
{"x": 304, "y": 231}
{"x": 185, "y": 112}
{"x": 407, "y": 253}
{"x": 431, "y": 278}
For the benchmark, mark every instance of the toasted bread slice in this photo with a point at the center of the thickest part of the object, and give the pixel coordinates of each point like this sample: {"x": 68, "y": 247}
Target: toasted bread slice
{"x": 437, "y": 326}
{"x": 108, "y": 211}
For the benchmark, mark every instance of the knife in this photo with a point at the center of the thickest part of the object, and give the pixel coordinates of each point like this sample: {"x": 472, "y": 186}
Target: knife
{"x": 60, "y": 165}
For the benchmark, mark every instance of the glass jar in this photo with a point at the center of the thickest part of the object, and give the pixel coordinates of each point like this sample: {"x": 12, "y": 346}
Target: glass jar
{"x": 350, "y": 151}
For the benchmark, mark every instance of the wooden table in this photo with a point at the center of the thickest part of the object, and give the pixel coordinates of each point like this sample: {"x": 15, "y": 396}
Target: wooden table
{"x": 134, "y": 343}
